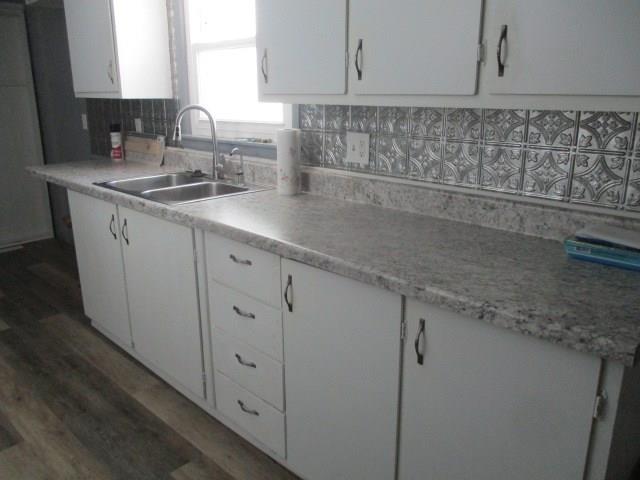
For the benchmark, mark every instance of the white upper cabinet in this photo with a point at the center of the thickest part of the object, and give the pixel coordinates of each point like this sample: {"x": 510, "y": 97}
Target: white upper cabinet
{"x": 301, "y": 46}
{"x": 91, "y": 46}
{"x": 119, "y": 48}
{"x": 483, "y": 403}
{"x": 571, "y": 47}
{"x": 414, "y": 46}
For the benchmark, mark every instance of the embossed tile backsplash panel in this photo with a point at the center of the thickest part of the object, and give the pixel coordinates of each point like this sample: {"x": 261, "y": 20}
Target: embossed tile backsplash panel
{"x": 590, "y": 158}
{"x": 158, "y": 118}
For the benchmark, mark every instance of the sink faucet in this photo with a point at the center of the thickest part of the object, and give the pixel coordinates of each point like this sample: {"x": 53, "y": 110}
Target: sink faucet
{"x": 239, "y": 173}
{"x": 177, "y": 135}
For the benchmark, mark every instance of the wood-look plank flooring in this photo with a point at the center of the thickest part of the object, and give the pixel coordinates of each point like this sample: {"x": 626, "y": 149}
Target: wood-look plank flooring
{"x": 75, "y": 406}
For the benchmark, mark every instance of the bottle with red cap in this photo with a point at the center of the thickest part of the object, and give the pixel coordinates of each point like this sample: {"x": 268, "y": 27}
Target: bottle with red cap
{"x": 116, "y": 142}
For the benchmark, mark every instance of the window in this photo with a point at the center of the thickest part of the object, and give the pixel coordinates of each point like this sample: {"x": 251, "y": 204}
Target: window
{"x": 221, "y": 45}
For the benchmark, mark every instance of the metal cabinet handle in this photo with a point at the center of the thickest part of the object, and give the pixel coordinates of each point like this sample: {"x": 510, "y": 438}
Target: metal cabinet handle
{"x": 358, "y": 60}
{"x": 264, "y": 66}
{"x": 416, "y": 344}
{"x": 243, "y": 313}
{"x": 240, "y": 261}
{"x": 125, "y": 231}
{"x": 502, "y": 50}
{"x": 288, "y": 301}
{"x": 112, "y": 226}
{"x": 247, "y": 410}
{"x": 243, "y": 362}
{"x": 110, "y": 71}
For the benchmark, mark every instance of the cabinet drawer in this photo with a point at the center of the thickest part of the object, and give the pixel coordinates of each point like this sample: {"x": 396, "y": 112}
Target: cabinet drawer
{"x": 248, "y": 269}
{"x": 257, "y": 418}
{"x": 249, "y": 368}
{"x": 247, "y": 319}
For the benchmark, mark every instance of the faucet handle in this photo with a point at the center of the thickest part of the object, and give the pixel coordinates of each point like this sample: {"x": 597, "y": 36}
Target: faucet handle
{"x": 220, "y": 169}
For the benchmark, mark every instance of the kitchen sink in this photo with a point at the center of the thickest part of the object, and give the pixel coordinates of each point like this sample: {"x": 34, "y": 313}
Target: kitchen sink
{"x": 178, "y": 188}
{"x": 193, "y": 193}
{"x": 140, "y": 184}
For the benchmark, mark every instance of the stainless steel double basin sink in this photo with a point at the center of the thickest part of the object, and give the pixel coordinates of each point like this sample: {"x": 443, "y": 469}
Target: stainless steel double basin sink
{"x": 178, "y": 188}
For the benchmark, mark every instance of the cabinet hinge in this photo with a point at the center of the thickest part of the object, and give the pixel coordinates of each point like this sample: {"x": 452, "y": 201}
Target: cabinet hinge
{"x": 133, "y": 344}
{"x": 346, "y": 59}
{"x": 195, "y": 256}
{"x": 481, "y": 52}
{"x": 204, "y": 381}
{"x": 599, "y": 405}
{"x": 403, "y": 329}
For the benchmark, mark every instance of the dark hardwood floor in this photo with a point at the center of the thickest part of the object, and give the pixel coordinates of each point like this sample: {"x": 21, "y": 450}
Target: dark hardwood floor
{"x": 75, "y": 406}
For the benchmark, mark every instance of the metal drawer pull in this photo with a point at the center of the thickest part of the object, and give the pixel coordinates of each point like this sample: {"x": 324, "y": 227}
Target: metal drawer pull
{"x": 243, "y": 362}
{"x": 239, "y": 261}
{"x": 247, "y": 410}
{"x": 358, "y": 60}
{"x": 125, "y": 231}
{"x": 502, "y": 50}
{"x": 112, "y": 226}
{"x": 110, "y": 72}
{"x": 286, "y": 294}
{"x": 243, "y": 314}
{"x": 416, "y": 344}
{"x": 264, "y": 66}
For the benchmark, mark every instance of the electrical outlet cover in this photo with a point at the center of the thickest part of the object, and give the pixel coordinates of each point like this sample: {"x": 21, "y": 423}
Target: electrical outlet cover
{"x": 138, "y": 124}
{"x": 358, "y": 148}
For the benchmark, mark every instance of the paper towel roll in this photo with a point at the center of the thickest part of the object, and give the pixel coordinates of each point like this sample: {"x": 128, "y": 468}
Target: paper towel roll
{"x": 288, "y": 161}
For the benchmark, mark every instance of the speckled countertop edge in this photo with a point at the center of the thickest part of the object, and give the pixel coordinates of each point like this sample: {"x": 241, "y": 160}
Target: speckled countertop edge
{"x": 602, "y": 340}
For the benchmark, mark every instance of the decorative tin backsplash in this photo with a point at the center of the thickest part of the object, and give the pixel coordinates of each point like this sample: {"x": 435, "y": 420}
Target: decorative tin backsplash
{"x": 580, "y": 157}
{"x": 158, "y": 117}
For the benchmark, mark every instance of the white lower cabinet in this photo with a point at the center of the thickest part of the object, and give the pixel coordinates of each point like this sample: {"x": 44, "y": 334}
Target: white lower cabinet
{"x": 487, "y": 404}
{"x": 256, "y": 417}
{"x": 163, "y": 299}
{"x": 249, "y": 270}
{"x": 312, "y": 366}
{"x": 247, "y": 319}
{"x": 96, "y": 235}
{"x": 138, "y": 280}
{"x": 342, "y": 354}
{"x": 249, "y": 368}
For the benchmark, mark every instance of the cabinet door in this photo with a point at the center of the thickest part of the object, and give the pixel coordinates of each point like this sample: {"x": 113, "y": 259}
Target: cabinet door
{"x": 301, "y": 46}
{"x": 342, "y": 353}
{"x": 163, "y": 302}
{"x": 488, "y": 403}
{"x": 91, "y": 46}
{"x": 97, "y": 242}
{"x": 572, "y": 47}
{"x": 414, "y": 46}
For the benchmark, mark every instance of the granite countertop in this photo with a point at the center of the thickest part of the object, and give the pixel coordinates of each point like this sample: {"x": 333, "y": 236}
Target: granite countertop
{"x": 514, "y": 281}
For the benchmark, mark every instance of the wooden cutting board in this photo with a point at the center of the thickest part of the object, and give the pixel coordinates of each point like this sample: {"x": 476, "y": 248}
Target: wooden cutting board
{"x": 153, "y": 147}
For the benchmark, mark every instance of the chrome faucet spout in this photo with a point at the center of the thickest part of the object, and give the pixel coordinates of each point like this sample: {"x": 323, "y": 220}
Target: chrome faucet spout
{"x": 177, "y": 134}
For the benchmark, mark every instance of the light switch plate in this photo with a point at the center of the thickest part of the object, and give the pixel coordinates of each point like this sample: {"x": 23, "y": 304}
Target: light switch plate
{"x": 138, "y": 124}
{"x": 358, "y": 148}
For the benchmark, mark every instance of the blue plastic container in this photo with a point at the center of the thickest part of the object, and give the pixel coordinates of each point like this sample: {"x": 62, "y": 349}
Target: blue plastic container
{"x": 614, "y": 256}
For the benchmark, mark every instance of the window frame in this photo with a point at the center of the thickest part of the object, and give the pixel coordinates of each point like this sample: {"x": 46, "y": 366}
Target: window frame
{"x": 225, "y": 130}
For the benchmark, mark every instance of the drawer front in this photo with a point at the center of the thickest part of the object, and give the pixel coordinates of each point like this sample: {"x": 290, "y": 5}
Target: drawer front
{"x": 249, "y": 368}
{"x": 257, "y": 418}
{"x": 247, "y": 269}
{"x": 247, "y": 319}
